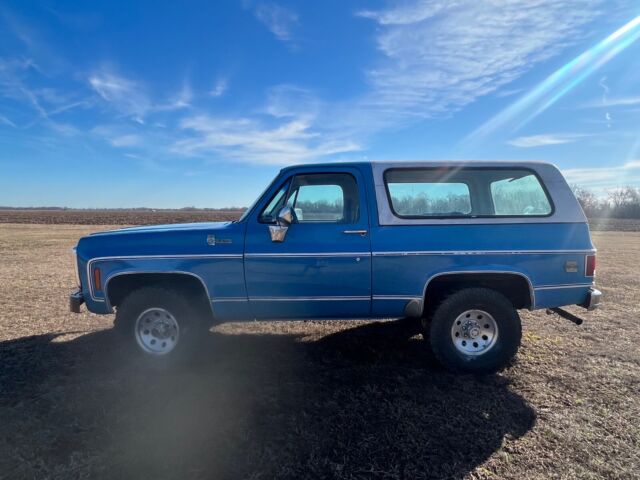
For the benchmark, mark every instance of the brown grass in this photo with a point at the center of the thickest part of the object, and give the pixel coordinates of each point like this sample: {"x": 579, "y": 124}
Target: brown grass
{"x": 344, "y": 399}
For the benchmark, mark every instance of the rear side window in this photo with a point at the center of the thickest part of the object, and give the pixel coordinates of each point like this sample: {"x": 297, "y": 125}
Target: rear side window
{"x": 465, "y": 192}
{"x": 519, "y": 195}
{"x": 427, "y": 195}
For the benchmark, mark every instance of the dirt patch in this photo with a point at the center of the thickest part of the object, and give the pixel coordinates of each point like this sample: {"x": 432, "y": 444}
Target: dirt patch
{"x": 342, "y": 399}
{"x": 115, "y": 217}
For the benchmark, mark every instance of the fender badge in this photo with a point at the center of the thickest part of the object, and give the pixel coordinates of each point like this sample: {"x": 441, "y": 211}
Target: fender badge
{"x": 212, "y": 240}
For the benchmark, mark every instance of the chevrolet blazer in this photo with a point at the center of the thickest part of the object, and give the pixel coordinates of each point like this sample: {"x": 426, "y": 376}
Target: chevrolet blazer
{"x": 460, "y": 245}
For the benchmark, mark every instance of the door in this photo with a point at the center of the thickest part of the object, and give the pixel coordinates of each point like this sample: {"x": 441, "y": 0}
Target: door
{"x": 322, "y": 268}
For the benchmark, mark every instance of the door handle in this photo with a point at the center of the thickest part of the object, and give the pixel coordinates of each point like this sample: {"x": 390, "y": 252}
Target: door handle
{"x": 355, "y": 232}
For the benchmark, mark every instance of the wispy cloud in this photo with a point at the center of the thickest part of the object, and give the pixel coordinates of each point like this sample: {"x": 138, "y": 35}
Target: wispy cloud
{"x": 605, "y": 177}
{"x": 64, "y": 129}
{"x": 219, "y": 87}
{"x": 441, "y": 56}
{"x": 532, "y": 141}
{"x": 252, "y": 141}
{"x": 4, "y": 120}
{"x": 508, "y": 92}
{"x": 632, "y": 164}
{"x": 126, "y": 96}
{"x": 131, "y": 99}
{"x": 292, "y": 101}
{"x": 280, "y": 20}
{"x": 629, "y": 101}
{"x": 180, "y": 100}
{"x": 119, "y": 136}
{"x": 129, "y": 140}
{"x": 17, "y": 76}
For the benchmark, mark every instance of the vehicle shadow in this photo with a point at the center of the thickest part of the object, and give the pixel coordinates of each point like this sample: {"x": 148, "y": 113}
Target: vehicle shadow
{"x": 365, "y": 402}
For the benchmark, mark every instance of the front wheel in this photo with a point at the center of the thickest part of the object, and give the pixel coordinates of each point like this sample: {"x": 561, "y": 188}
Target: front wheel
{"x": 159, "y": 324}
{"x": 476, "y": 330}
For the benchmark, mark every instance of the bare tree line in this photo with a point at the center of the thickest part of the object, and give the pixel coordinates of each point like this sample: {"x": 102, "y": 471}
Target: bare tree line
{"x": 424, "y": 205}
{"x": 621, "y": 202}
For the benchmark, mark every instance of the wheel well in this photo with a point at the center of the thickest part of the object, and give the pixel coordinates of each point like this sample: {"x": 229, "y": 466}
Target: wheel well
{"x": 514, "y": 286}
{"x": 119, "y": 286}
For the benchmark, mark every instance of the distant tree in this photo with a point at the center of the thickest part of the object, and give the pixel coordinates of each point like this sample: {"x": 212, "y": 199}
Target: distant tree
{"x": 587, "y": 199}
{"x": 617, "y": 197}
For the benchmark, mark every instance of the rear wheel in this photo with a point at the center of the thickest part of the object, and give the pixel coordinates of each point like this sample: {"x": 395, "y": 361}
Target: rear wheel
{"x": 160, "y": 324}
{"x": 476, "y": 330}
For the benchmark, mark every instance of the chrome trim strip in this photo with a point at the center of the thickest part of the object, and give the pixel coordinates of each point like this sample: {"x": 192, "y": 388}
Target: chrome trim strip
{"x": 569, "y": 285}
{"x": 477, "y": 252}
{"x": 318, "y": 254}
{"x": 319, "y": 298}
{"x": 396, "y": 297}
{"x": 76, "y": 268}
{"x": 307, "y": 299}
{"x": 221, "y": 256}
{"x": 229, "y": 299}
{"x": 176, "y": 272}
{"x": 532, "y": 295}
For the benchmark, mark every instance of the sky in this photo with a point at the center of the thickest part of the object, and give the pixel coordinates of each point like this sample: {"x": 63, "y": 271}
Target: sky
{"x": 176, "y": 104}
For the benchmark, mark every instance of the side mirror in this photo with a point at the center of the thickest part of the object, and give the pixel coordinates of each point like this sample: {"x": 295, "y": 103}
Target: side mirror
{"x": 284, "y": 220}
{"x": 285, "y": 217}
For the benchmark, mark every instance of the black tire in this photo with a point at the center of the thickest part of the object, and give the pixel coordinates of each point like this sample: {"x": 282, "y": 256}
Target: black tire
{"x": 190, "y": 328}
{"x": 501, "y": 350}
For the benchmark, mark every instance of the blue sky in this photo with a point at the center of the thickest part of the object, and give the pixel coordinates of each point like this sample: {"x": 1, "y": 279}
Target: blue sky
{"x": 172, "y": 104}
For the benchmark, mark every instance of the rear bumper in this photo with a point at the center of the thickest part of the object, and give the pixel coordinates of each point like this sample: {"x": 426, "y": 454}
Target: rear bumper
{"x": 75, "y": 300}
{"x": 593, "y": 299}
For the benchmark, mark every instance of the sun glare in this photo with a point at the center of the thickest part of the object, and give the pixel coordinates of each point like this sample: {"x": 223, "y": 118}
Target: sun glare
{"x": 559, "y": 83}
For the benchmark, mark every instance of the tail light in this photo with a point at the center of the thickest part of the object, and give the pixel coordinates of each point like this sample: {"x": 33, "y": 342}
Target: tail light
{"x": 590, "y": 266}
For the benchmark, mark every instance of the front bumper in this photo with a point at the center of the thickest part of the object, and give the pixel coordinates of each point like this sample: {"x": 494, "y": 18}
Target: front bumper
{"x": 593, "y": 299}
{"x": 75, "y": 300}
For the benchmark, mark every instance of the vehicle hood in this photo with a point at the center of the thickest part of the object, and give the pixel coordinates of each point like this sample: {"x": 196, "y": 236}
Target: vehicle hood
{"x": 179, "y": 239}
{"x": 170, "y": 227}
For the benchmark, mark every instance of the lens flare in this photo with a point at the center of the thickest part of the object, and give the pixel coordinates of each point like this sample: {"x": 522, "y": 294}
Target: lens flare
{"x": 561, "y": 82}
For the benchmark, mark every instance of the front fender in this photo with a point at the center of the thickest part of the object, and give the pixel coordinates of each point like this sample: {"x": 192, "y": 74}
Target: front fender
{"x": 222, "y": 275}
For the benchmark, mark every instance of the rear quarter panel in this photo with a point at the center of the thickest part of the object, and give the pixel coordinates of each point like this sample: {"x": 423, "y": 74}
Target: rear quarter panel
{"x": 405, "y": 258}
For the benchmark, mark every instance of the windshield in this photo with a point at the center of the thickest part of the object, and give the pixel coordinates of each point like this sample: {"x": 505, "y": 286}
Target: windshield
{"x": 255, "y": 202}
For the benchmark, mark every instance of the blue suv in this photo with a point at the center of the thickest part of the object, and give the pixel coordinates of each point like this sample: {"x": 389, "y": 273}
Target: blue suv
{"x": 460, "y": 245}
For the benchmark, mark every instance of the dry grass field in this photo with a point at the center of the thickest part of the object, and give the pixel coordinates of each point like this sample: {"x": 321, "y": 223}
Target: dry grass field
{"x": 344, "y": 399}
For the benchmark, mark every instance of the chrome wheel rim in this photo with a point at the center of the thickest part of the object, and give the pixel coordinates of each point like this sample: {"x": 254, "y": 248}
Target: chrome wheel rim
{"x": 474, "y": 332}
{"x": 157, "y": 331}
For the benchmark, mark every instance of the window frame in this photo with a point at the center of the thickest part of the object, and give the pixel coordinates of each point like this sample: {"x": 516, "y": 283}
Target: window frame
{"x": 286, "y": 182}
{"x": 472, "y": 188}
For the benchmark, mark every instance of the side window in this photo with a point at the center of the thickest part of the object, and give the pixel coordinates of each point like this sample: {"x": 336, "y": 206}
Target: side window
{"x": 427, "y": 194}
{"x": 519, "y": 195}
{"x": 270, "y": 212}
{"x": 330, "y": 198}
{"x": 478, "y": 192}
